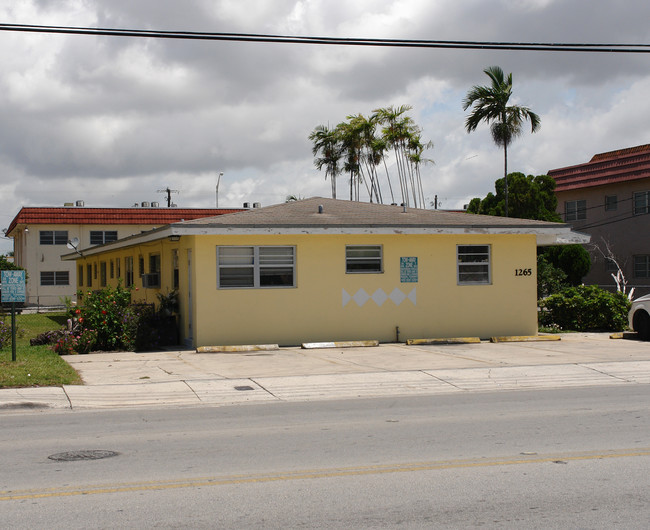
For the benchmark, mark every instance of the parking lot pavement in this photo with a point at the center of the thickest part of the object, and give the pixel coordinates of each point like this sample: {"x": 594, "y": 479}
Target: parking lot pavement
{"x": 184, "y": 377}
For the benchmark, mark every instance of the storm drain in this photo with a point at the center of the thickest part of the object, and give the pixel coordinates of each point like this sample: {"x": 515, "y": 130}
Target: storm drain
{"x": 244, "y": 387}
{"x": 71, "y": 456}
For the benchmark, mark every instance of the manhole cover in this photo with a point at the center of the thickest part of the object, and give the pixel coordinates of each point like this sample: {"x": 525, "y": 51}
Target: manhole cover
{"x": 94, "y": 454}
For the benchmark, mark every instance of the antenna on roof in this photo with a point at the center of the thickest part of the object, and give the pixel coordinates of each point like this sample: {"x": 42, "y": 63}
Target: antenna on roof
{"x": 169, "y": 195}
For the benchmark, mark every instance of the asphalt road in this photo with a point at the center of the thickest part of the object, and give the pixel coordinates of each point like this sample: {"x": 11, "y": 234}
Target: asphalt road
{"x": 526, "y": 459}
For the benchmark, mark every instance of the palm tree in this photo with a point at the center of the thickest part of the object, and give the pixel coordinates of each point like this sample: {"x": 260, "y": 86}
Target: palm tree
{"x": 327, "y": 151}
{"x": 490, "y": 104}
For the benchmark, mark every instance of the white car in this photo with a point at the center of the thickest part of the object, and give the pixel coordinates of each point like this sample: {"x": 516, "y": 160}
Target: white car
{"x": 639, "y": 317}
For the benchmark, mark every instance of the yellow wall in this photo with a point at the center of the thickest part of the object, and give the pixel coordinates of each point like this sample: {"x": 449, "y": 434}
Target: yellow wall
{"x": 314, "y": 311}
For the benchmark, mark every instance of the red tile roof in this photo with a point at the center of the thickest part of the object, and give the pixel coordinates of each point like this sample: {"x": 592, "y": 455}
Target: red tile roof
{"x": 612, "y": 167}
{"x": 112, "y": 216}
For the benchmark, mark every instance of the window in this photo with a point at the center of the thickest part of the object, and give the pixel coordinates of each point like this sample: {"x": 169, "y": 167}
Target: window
{"x": 363, "y": 259}
{"x": 89, "y": 275}
{"x": 102, "y": 274}
{"x": 642, "y": 266}
{"x": 55, "y": 278}
{"x": 128, "y": 271}
{"x": 112, "y": 269}
{"x": 575, "y": 210}
{"x": 118, "y": 268}
{"x": 611, "y": 202}
{"x": 641, "y": 202}
{"x": 473, "y": 264}
{"x": 140, "y": 265}
{"x": 94, "y": 271}
{"x": 256, "y": 266}
{"x": 99, "y": 237}
{"x": 80, "y": 279}
{"x": 175, "y": 270}
{"x": 153, "y": 278}
{"x": 53, "y": 237}
{"x": 610, "y": 265}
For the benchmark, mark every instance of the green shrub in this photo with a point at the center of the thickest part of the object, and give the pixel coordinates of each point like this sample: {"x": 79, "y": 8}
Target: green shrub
{"x": 5, "y": 331}
{"x": 585, "y": 308}
{"x": 106, "y": 320}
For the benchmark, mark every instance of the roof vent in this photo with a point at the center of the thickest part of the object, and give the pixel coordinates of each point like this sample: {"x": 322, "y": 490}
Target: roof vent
{"x": 320, "y": 208}
{"x": 155, "y": 204}
{"x": 80, "y": 204}
{"x": 247, "y": 205}
{"x": 68, "y": 204}
{"x": 144, "y": 204}
{"x": 257, "y": 205}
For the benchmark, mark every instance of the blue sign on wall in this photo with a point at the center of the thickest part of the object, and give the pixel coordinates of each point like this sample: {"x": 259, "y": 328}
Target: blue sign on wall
{"x": 408, "y": 270}
{"x": 13, "y": 286}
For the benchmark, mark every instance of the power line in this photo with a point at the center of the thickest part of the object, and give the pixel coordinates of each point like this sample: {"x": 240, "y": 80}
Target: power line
{"x": 336, "y": 41}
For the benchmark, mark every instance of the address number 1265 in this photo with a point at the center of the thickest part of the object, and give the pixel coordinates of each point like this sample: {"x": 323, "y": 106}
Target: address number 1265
{"x": 523, "y": 272}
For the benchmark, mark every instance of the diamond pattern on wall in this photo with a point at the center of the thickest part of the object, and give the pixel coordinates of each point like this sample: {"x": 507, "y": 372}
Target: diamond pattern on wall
{"x": 379, "y": 297}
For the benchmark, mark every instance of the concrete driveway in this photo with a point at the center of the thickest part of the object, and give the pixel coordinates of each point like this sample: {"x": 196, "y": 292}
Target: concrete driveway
{"x": 182, "y": 377}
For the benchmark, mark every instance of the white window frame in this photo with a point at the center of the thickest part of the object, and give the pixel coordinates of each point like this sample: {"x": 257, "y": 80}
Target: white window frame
{"x": 112, "y": 236}
{"x": 468, "y": 263}
{"x": 58, "y": 278}
{"x": 575, "y": 210}
{"x": 351, "y": 261}
{"x": 53, "y": 237}
{"x": 257, "y": 265}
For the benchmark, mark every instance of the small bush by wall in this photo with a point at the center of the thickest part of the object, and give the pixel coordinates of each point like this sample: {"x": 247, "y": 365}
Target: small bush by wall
{"x": 585, "y": 308}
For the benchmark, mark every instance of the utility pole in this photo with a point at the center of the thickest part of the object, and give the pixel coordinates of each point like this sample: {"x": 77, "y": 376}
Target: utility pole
{"x": 169, "y": 195}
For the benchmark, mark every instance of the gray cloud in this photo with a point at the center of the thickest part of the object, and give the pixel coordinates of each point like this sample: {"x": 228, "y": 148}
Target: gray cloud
{"x": 111, "y": 119}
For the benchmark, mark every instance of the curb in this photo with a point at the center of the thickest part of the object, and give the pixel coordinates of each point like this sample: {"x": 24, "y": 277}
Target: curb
{"x": 530, "y": 338}
{"x": 454, "y": 340}
{"x": 343, "y": 344}
{"x": 237, "y": 349}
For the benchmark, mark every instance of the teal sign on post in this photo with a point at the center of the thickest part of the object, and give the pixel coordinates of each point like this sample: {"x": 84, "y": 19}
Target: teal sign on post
{"x": 408, "y": 270}
{"x": 13, "y": 286}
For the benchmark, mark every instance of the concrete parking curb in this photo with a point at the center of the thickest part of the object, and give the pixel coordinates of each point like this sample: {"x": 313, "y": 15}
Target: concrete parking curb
{"x": 238, "y": 348}
{"x": 341, "y": 344}
{"x": 529, "y": 338}
{"x": 453, "y": 340}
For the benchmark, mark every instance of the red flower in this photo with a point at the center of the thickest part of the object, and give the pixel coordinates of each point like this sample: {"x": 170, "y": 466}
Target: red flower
{"x": 103, "y": 312}
{"x": 81, "y": 319}
{"x": 77, "y": 311}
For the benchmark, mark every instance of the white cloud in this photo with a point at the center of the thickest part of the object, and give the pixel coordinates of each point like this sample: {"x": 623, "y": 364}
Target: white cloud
{"x": 111, "y": 120}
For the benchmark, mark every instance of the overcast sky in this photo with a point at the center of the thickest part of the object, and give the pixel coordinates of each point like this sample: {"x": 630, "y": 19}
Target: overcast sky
{"x": 112, "y": 120}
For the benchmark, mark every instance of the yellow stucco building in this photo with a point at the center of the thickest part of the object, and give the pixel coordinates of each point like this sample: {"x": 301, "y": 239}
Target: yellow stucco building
{"x": 330, "y": 270}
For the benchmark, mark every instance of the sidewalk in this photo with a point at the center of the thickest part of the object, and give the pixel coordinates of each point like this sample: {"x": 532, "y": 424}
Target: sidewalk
{"x": 178, "y": 378}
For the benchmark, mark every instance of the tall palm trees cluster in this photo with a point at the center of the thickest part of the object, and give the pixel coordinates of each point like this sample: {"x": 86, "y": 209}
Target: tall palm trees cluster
{"x": 361, "y": 145}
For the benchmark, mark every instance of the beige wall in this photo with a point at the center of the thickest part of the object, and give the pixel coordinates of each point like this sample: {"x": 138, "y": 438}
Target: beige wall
{"x": 314, "y": 310}
{"x": 34, "y": 257}
{"x": 621, "y": 230}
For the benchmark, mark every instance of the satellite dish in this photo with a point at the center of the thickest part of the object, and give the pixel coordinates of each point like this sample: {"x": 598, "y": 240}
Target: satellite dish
{"x": 73, "y": 243}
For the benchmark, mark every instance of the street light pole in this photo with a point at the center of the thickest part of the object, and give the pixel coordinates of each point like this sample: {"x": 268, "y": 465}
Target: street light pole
{"x": 218, "y": 182}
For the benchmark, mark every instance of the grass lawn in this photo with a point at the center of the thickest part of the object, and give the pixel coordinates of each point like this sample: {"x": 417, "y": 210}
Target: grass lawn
{"x": 35, "y": 365}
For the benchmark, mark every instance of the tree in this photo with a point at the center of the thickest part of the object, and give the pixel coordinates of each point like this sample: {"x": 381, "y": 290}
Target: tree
{"x": 531, "y": 197}
{"x": 361, "y": 144}
{"x": 490, "y": 104}
{"x": 327, "y": 151}
{"x": 6, "y": 265}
